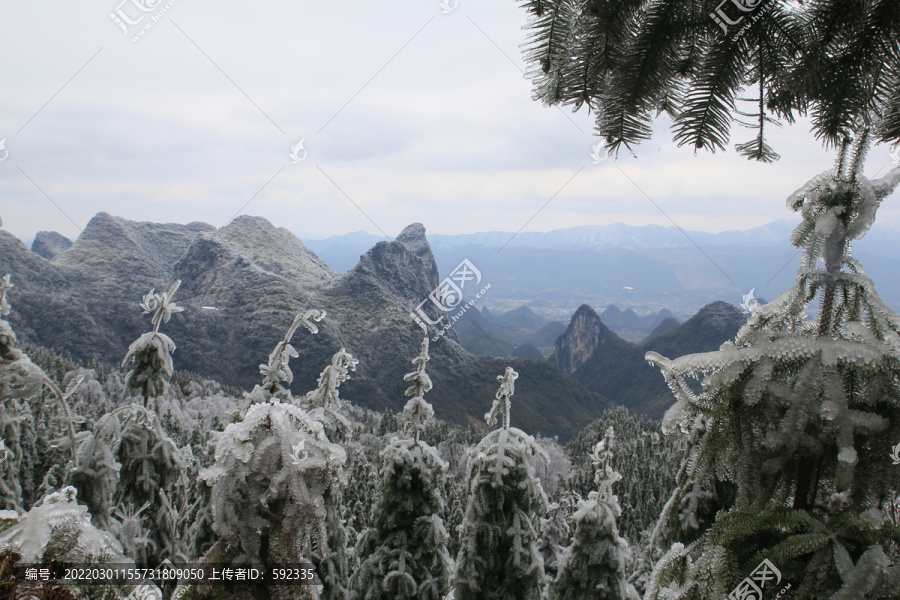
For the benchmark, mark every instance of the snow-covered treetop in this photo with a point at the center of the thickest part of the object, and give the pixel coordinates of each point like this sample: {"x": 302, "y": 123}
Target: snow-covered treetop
{"x": 502, "y": 398}
{"x": 327, "y": 395}
{"x": 324, "y": 402}
{"x": 417, "y": 411}
{"x": 56, "y": 518}
{"x": 601, "y": 457}
{"x": 292, "y": 425}
{"x": 5, "y": 286}
{"x": 152, "y": 352}
{"x": 837, "y": 206}
{"x": 270, "y": 474}
{"x": 278, "y": 370}
{"x": 161, "y": 305}
{"x": 813, "y": 389}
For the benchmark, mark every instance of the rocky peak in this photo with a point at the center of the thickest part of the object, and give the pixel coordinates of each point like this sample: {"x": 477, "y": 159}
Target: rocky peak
{"x": 405, "y": 267}
{"x": 581, "y": 339}
{"x": 139, "y": 253}
{"x": 126, "y": 257}
{"x": 413, "y": 237}
{"x": 50, "y": 244}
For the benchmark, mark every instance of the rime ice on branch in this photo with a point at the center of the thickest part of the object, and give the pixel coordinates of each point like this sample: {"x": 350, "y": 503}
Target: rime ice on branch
{"x": 277, "y": 370}
{"x": 324, "y": 402}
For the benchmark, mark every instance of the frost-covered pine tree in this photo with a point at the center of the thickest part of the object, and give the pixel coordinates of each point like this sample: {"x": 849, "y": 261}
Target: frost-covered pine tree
{"x": 20, "y": 381}
{"x": 406, "y": 551}
{"x": 271, "y": 474}
{"x": 499, "y": 556}
{"x": 789, "y": 448}
{"x": 333, "y": 555}
{"x": 151, "y": 354}
{"x": 127, "y": 468}
{"x": 129, "y": 473}
{"x": 594, "y": 565}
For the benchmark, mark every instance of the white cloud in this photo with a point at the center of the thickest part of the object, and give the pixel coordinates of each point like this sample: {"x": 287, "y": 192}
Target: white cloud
{"x": 446, "y": 133}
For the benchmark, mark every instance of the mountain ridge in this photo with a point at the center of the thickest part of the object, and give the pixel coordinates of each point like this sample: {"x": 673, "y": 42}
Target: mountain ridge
{"x": 257, "y": 278}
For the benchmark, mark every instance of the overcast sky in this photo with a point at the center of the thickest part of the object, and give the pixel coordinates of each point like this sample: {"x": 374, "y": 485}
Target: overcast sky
{"x": 407, "y": 114}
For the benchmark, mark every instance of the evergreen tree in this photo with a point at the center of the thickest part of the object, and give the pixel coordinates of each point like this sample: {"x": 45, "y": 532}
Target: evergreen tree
{"x": 594, "y": 565}
{"x": 333, "y": 555}
{"x": 406, "y": 550}
{"x": 785, "y": 458}
{"x": 499, "y": 556}
{"x": 22, "y": 380}
{"x": 128, "y": 470}
{"x": 19, "y": 379}
{"x": 271, "y": 474}
{"x": 151, "y": 354}
{"x": 789, "y": 449}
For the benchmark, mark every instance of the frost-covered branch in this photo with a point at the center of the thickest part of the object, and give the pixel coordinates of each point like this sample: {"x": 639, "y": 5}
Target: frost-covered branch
{"x": 277, "y": 370}
{"x": 502, "y": 398}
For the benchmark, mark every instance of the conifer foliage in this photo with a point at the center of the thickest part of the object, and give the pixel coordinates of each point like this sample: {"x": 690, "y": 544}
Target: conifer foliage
{"x": 795, "y": 422}
{"x": 629, "y": 61}
{"x": 151, "y": 353}
{"x": 499, "y": 555}
{"x": 272, "y": 472}
{"x": 594, "y": 565}
{"x": 20, "y": 381}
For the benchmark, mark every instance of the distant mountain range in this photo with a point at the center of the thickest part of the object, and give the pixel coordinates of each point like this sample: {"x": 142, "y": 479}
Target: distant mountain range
{"x": 645, "y": 268}
{"x": 82, "y": 299}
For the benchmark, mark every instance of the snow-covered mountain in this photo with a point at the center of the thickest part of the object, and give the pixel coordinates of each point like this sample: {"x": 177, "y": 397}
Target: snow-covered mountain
{"x": 256, "y": 277}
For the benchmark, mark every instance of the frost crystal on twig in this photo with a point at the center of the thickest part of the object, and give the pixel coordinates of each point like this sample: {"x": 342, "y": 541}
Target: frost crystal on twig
{"x": 502, "y": 402}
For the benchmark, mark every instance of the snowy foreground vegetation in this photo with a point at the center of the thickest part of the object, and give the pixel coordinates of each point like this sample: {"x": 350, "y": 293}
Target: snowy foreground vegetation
{"x": 774, "y": 477}
{"x": 106, "y": 467}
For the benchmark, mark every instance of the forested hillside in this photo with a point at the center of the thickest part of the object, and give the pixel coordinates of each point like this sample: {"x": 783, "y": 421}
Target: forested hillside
{"x": 146, "y": 456}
